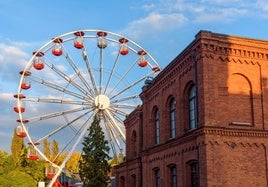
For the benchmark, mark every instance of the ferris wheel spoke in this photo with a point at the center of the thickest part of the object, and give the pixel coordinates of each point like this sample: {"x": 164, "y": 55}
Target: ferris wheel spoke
{"x": 114, "y": 132}
{"x": 124, "y": 106}
{"x": 118, "y": 115}
{"x": 70, "y": 152}
{"x": 128, "y": 87}
{"x": 56, "y": 100}
{"x": 125, "y": 99}
{"x": 112, "y": 72}
{"x": 122, "y": 78}
{"x": 77, "y": 71}
{"x": 77, "y": 133}
{"x": 110, "y": 138}
{"x": 70, "y": 80}
{"x": 117, "y": 111}
{"x": 56, "y": 114}
{"x": 113, "y": 141}
{"x": 101, "y": 71}
{"x": 58, "y": 88}
{"x": 63, "y": 126}
{"x": 89, "y": 69}
{"x": 113, "y": 124}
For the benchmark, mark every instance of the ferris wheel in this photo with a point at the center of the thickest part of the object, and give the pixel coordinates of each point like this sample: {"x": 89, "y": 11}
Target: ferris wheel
{"x": 74, "y": 77}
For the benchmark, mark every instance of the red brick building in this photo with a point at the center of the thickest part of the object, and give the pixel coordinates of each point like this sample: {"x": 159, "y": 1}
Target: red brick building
{"x": 203, "y": 120}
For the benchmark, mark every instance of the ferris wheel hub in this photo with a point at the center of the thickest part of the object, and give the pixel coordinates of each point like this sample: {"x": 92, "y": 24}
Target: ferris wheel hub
{"x": 102, "y": 102}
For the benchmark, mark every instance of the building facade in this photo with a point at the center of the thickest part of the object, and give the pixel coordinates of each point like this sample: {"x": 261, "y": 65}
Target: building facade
{"x": 203, "y": 120}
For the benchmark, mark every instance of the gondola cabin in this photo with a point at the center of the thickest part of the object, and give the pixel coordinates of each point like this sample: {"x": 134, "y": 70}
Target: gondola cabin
{"x": 25, "y": 84}
{"x": 20, "y": 132}
{"x": 102, "y": 43}
{"x": 124, "y": 48}
{"x": 38, "y": 62}
{"x": 142, "y": 60}
{"x": 20, "y": 105}
{"x": 32, "y": 153}
{"x": 50, "y": 172}
{"x": 79, "y": 41}
{"x": 57, "y": 50}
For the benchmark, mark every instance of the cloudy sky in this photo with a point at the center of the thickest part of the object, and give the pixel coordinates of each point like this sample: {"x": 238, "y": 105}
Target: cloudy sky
{"x": 162, "y": 27}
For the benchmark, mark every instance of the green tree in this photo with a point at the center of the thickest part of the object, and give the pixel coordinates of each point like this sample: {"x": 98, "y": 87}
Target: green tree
{"x": 17, "y": 149}
{"x": 93, "y": 166}
{"x": 46, "y": 148}
{"x": 6, "y": 163}
{"x": 55, "y": 152}
{"x": 72, "y": 164}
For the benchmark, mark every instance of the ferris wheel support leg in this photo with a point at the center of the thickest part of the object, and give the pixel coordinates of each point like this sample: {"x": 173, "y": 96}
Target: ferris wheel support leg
{"x": 112, "y": 119}
{"x": 68, "y": 156}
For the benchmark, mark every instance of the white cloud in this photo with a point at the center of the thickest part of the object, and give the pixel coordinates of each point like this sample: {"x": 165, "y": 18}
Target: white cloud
{"x": 220, "y": 14}
{"x": 154, "y": 23}
{"x": 262, "y": 4}
{"x": 12, "y": 60}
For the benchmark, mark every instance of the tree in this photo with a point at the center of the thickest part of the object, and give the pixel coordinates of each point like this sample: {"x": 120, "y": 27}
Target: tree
{"x": 17, "y": 149}
{"x": 46, "y": 148}
{"x": 6, "y": 163}
{"x": 72, "y": 164}
{"x": 93, "y": 166}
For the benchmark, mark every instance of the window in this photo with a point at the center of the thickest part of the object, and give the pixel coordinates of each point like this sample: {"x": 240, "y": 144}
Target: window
{"x": 194, "y": 174}
{"x": 157, "y": 126}
{"x": 192, "y": 109}
{"x": 173, "y": 176}
{"x": 157, "y": 177}
{"x": 122, "y": 181}
{"x": 134, "y": 143}
{"x": 133, "y": 180}
{"x": 172, "y": 118}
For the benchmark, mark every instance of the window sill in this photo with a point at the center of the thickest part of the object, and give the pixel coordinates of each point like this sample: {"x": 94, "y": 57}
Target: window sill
{"x": 238, "y": 123}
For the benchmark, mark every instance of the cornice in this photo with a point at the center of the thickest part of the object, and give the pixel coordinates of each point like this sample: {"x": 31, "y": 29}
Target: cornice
{"x": 233, "y": 132}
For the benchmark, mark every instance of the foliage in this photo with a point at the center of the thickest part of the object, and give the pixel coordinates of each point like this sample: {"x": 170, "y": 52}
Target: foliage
{"x": 94, "y": 167}
{"x": 6, "y": 162}
{"x": 17, "y": 149}
{"x": 19, "y": 178}
{"x": 46, "y": 148}
{"x": 54, "y": 149}
{"x": 25, "y": 172}
{"x": 35, "y": 169}
{"x": 72, "y": 164}
{"x": 22, "y": 175}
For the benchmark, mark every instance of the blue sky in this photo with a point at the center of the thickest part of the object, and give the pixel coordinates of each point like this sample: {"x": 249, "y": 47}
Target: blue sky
{"x": 162, "y": 27}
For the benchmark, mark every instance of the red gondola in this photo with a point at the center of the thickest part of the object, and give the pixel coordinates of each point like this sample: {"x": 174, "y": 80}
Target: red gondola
{"x": 32, "y": 153}
{"x": 102, "y": 43}
{"x": 57, "y": 51}
{"x": 19, "y": 107}
{"x": 79, "y": 41}
{"x": 25, "y": 82}
{"x": 20, "y": 132}
{"x": 142, "y": 61}
{"x": 124, "y": 48}
{"x": 38, "y": 63}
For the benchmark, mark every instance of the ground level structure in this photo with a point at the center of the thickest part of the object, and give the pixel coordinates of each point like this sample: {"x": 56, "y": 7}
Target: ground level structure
{"x": 203, "y": 120}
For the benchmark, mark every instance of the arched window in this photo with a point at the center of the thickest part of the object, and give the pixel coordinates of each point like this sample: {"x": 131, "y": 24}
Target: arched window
{"x": 192, "y": 108}
{"x": 122, "y": 181}
{"x": 157, "y": 177}
{"x": 133, "y": 180}
{"x": 173, "y": 176}
{"x": 193, "y": 173}
{"x": 172, "y": 109}
{"x": 134, "y": 143}
{"x": 157, "y": 126}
